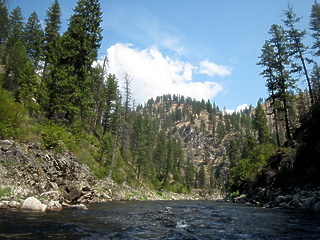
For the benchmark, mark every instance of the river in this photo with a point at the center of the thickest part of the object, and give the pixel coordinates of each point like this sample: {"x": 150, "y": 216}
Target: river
{"x": 161, "y": 220}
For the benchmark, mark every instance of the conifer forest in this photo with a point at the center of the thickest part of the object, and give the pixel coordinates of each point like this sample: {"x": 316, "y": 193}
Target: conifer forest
{"x": 53, "y": 91}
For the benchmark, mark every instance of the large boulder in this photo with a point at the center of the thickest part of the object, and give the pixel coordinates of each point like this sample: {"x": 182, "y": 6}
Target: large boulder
{"x": 33, "y": 204}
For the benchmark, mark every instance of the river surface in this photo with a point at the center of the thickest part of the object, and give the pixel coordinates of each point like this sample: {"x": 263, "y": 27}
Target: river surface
{"x": 161, "y": 220}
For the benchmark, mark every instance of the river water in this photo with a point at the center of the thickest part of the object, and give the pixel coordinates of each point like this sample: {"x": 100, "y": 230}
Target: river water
{"x": 161, "y": 220}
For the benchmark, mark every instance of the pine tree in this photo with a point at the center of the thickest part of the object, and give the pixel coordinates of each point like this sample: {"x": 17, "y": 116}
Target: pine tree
{"x": 34, "y": 37}
{"x": 112, "y": 101}
{"x": 296, "y": 45}
{"x": 127, "y": 112}
{"x": 15, "y": 49}
{"x": 127, "y": 96}
{"x": 79, "y": 48}
{"x": 260, "y": 124}
{"x": 202, "y": 177}
{"x": 267, "y": 58}
{"x": 160, "y": 156}
{"x": 16, "y": 27}
{"x": 190, "y": 175}
{"x": 4, "y": 22}
{"x": 315, "y": 80}
{"x": 22, "y": 79}
{"x": 276, "y": 58}
{"x": 315, "y": 27}
{"x": 83, "y": 37}
{"x": 221, "y": 130}
{"x": 51, "y": 31}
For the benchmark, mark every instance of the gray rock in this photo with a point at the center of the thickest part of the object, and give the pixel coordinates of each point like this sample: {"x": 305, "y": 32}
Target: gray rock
{"x": 34, "y": 204}
{"x": 74, "y": 195}
{"x": 306, "y": 203}
{"x": 282, "y": 199}
{"x": 3, "y": 205}
{"x": 51, "y": 195}
{"x": 54, "y": 206}
{"x": 14, "y": 204}
{"x": 6, "y": 145}
{"x": 10, "y": 155}
{"x": 241, "y": 199}
{"x": 316, "y": 207}
{"x": 283, "y": 205}
{"x": 76, "y": 207}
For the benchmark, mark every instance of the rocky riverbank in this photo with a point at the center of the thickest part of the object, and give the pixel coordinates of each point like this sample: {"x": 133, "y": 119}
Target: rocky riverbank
{"x": 276, "y": 198}
{"x": 59, "y": 180}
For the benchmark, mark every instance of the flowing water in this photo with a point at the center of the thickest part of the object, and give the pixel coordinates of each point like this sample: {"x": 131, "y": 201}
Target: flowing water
{"x": 161, "y": 220}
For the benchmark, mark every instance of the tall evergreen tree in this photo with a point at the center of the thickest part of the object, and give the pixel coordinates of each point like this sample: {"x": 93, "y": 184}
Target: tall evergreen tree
{"x": 51, "y": 31}
{"x": 267, "y": 58}
{"x": 16, "y": 27}
{"x": 112, "y": 102}
{"x": 4, "y": 22}
{"x": 15, "y": 49}
{"x": 315, "y": 27}
{"x": 33, "y": 35}
{"x": 201, "y": 177}
{"x": 315, "y": 80}
{"x": 260, "y": 124}
{"x": 276, "y": 58}
{"x": 80, "y": 44}
{"x": 296, "y": 45}
{"x": 127, "y": 95}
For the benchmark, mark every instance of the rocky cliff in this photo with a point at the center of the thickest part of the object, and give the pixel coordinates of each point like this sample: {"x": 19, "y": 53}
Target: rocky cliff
{"x": 28, "y": 171}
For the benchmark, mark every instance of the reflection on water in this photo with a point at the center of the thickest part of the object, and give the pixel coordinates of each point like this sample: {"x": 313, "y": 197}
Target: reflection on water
{"x": 161, "y": 220}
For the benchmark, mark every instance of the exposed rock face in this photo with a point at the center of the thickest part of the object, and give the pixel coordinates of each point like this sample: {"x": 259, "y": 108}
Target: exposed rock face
{"x": 27, "y": 171}
{"x": 34, "y": 204}
{"x": 203, "y": 148}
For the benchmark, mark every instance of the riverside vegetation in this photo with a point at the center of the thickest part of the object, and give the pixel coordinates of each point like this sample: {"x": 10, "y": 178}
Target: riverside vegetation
{"x": 71, "y": 135}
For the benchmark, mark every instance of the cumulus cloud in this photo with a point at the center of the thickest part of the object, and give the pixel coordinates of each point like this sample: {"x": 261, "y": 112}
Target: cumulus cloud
{"x": 238, "y": 109}
{"x": 154, "y": 74}
{"x": 211, "y": 69}
{"x": 242, "y": 107}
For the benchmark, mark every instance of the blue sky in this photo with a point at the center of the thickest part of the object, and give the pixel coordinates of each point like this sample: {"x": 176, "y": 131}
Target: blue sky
{"x": 199, "y": 48}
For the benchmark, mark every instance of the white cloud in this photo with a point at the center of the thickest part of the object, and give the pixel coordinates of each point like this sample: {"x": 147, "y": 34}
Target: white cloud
{"x": 242, "y": 107}
{"x": 155, "y": 74}
{"x": 238, "y": 109}
{"x": 211, "y": 69}
{"x": 228, "y": 111}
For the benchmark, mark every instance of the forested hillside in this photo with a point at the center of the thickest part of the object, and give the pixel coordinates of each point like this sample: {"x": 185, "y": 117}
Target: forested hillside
{"x": 53, "y": 92}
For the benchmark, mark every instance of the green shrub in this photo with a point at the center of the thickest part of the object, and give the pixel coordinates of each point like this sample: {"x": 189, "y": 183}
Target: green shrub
{"x": 5, "y": 192}
{"x": 12, "y": 115}
{"x": 57, "y": 137}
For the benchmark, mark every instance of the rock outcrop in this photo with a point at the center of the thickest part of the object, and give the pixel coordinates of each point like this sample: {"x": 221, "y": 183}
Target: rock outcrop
{"x": 27, "y": 171}
{"x": 275, "y": 198}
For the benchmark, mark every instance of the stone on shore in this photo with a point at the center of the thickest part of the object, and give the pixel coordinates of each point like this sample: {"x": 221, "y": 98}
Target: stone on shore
{"x": 33, "y": 204}
{"x": 54, "y": 206}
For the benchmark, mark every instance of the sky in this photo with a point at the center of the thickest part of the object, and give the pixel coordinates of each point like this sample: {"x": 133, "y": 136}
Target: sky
{"x": 204, "y": 49}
